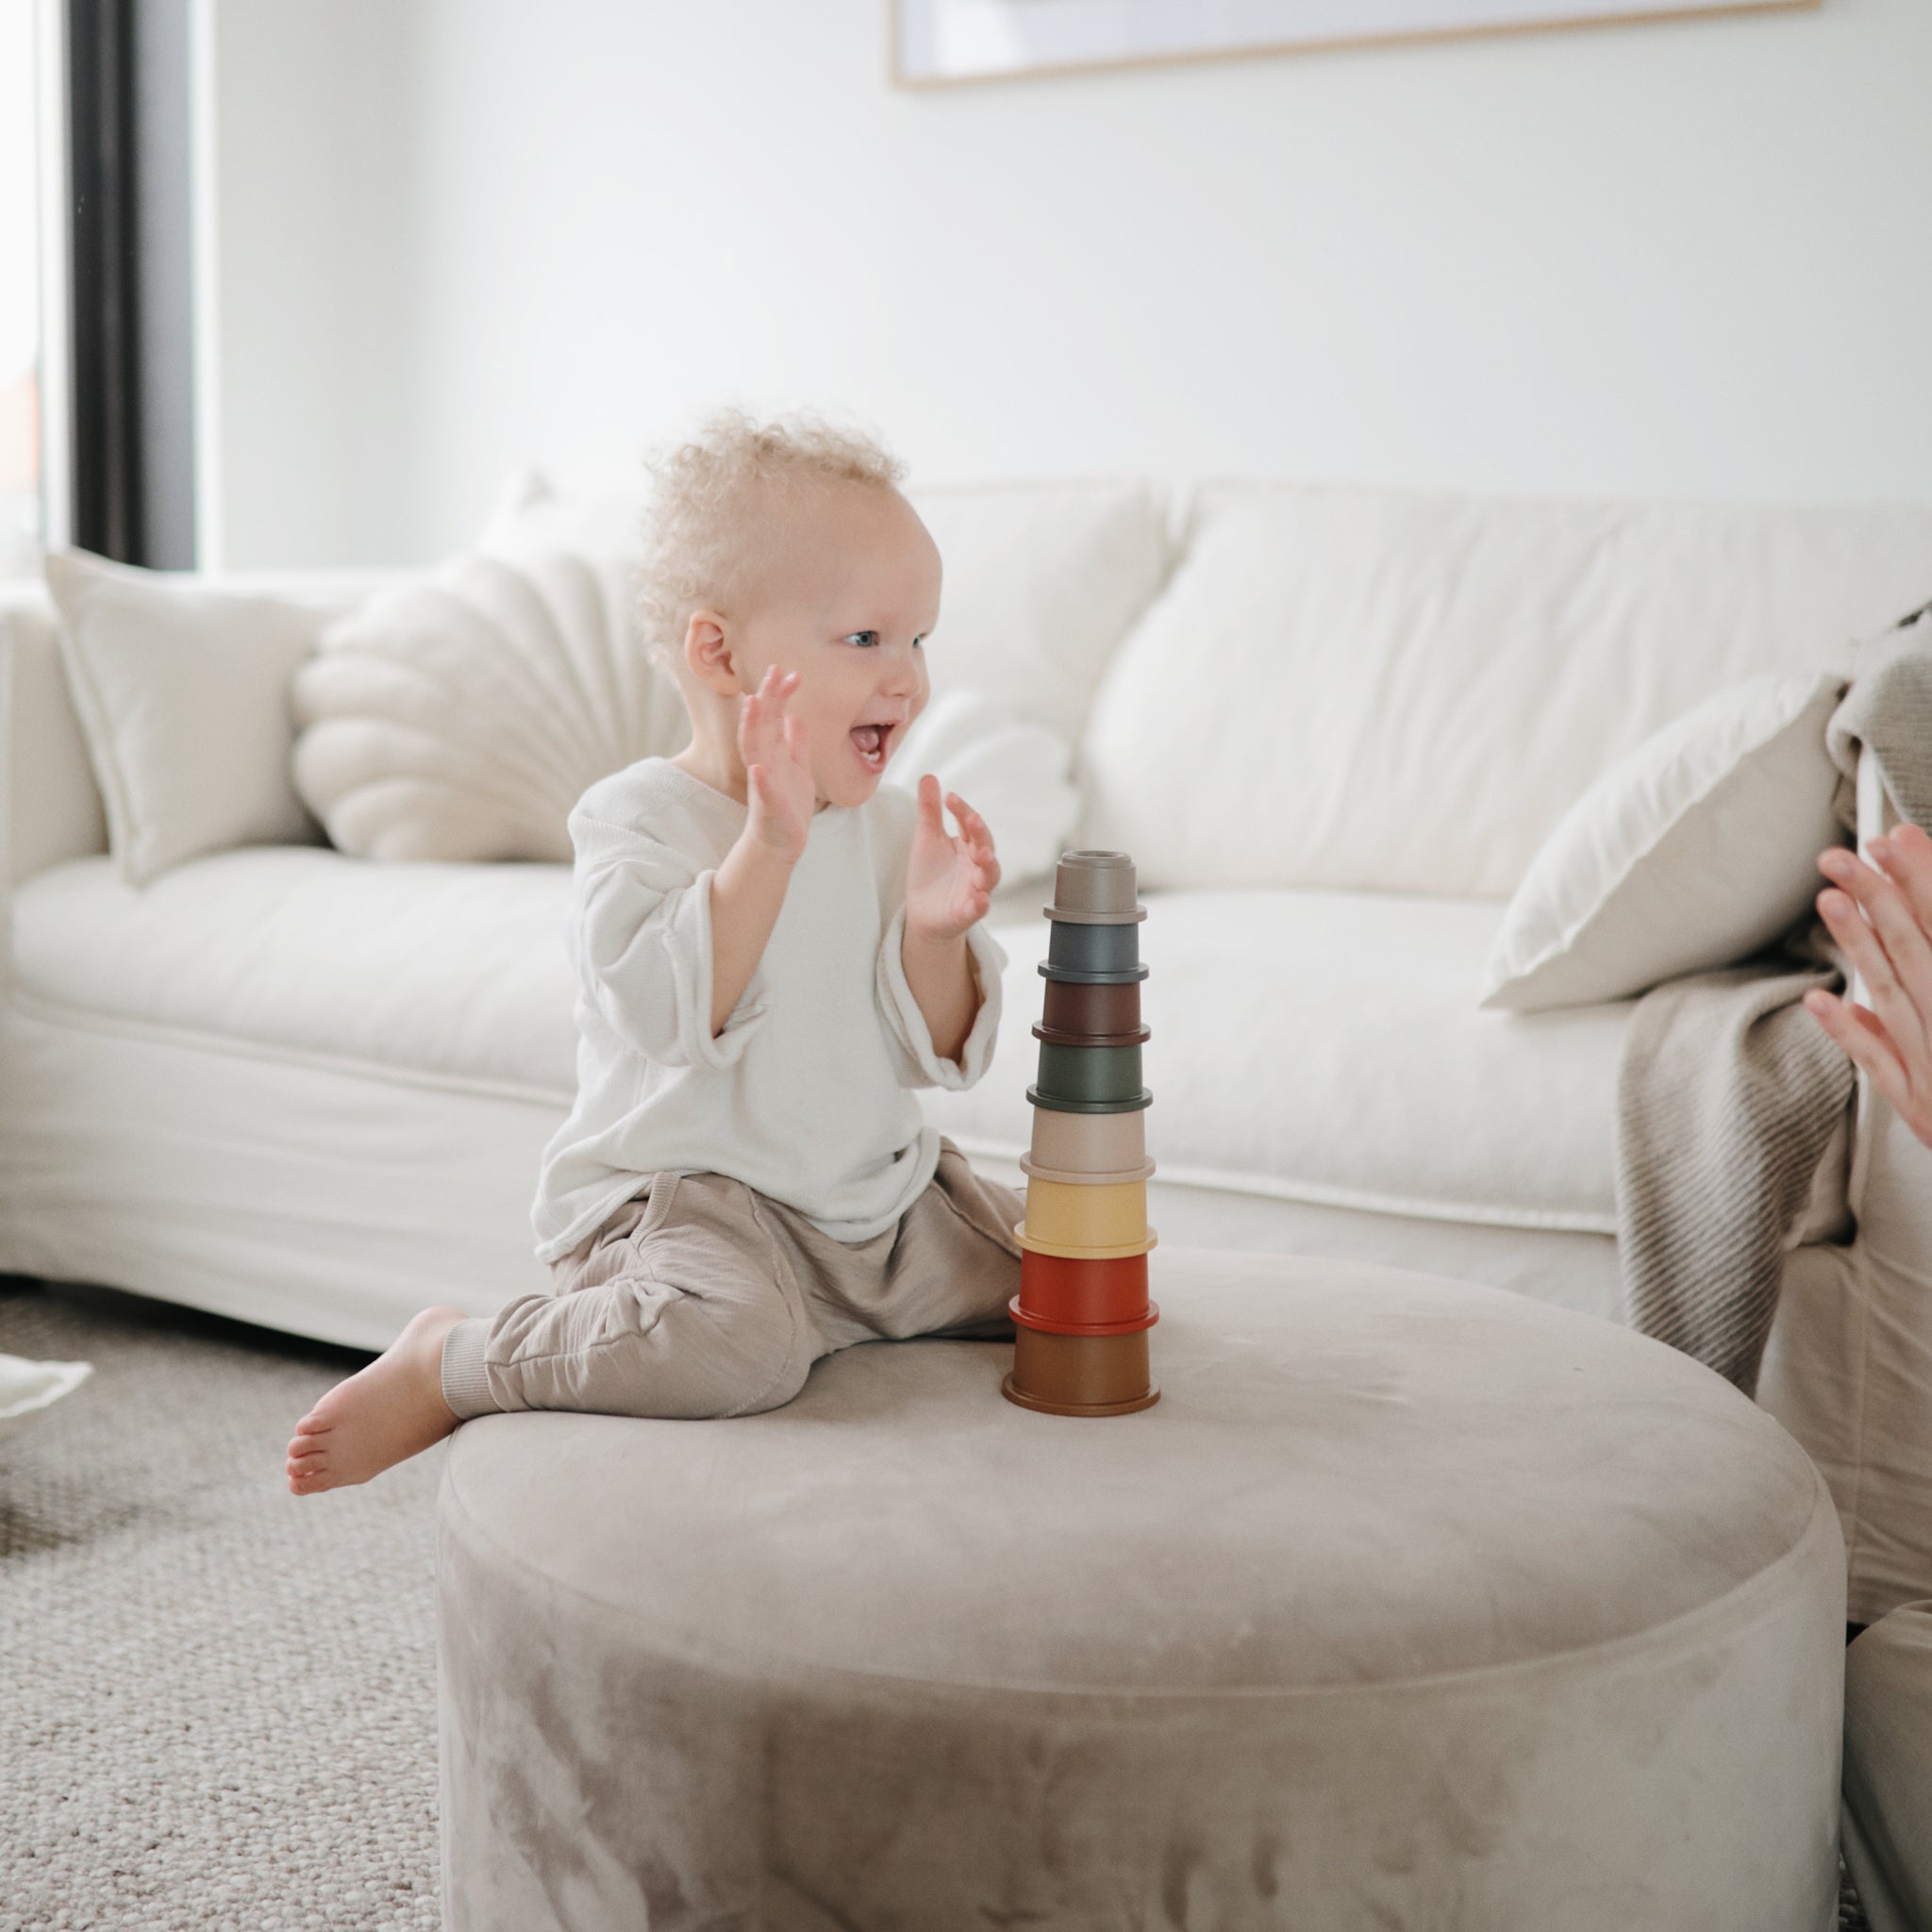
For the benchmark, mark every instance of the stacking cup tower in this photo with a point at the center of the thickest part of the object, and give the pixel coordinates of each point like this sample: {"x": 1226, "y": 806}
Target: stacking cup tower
{"x": 1082, "y": 1314}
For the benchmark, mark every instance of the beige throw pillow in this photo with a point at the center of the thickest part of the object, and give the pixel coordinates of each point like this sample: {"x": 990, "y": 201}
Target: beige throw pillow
{"x": 182, "y": 690}
{"x": 1692, "y": 852}
{"x": 463, "y": 714}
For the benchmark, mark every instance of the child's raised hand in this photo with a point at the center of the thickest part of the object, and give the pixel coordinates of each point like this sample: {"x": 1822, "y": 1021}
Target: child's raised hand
{"x": 949, "y": 881}
{"x": 776, "y": 751}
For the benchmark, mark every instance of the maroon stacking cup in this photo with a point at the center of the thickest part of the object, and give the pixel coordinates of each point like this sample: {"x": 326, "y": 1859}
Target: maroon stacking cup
{"x": 1083, "y": 1007}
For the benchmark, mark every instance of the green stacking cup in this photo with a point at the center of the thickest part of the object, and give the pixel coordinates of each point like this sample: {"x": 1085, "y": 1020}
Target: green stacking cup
{"x": 1085, "y": 1074}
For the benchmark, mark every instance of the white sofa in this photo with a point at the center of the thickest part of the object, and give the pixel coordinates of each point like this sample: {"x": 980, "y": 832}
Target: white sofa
{"x": 1332, "y": 725}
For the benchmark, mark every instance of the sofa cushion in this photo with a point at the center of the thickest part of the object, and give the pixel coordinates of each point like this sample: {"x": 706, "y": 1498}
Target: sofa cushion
{"x": 1363, "y": 689}
{"x": 1326, "y": 1047}
{"x": 452, "y": 971}
{"x": 1315, "y": 1046}
{"x": 1043, "y": 581}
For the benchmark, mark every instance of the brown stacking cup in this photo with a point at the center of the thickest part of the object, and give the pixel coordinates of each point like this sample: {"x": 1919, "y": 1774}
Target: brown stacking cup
{"x": 1080, "y": 1374}
{"x": 1076, "y": 1007}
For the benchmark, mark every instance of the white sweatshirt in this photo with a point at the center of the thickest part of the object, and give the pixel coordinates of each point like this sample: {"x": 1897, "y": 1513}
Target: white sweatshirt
{"x": 805, "y": 1094}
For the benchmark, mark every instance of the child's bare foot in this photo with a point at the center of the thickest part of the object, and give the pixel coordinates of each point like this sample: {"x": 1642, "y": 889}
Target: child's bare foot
{"x": 380, "y": 1415}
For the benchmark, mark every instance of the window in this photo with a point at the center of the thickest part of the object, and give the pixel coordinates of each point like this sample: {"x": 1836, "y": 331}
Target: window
{"x": 20, "y": 294}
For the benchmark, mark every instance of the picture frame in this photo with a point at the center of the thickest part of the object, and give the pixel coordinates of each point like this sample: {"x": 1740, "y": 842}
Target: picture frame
{"x": 943, "y": 42}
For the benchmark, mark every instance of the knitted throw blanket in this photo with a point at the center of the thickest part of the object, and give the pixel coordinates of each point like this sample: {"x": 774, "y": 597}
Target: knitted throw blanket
{"x": 1729, "y": 1092}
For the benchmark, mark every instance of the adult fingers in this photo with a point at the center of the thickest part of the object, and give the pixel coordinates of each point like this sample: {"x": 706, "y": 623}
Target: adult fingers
{"x": 1864, "y": 1039}
{"x": 1867, "y": 957}
{"x": 1905, "y": 853}
{"x": 1899, "y": 967}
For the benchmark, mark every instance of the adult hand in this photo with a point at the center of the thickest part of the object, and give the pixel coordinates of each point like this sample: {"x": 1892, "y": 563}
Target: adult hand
{"x": 1880, "y": 914}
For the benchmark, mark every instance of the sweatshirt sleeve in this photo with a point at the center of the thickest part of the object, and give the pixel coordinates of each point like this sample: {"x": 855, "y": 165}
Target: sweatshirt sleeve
{"x": 642, "y": 942}
{"x": 913, "y": 1054}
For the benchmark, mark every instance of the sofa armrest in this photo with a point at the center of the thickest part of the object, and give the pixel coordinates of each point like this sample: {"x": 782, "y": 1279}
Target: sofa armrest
{"x": 50, "y": 808}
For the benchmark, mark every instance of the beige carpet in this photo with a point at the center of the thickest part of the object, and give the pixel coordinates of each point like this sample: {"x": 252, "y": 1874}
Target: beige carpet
{"x": 217, "y": 1701}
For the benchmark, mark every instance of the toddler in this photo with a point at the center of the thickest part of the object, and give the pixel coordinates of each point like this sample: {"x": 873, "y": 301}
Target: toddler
{"x": 771, "y": 949}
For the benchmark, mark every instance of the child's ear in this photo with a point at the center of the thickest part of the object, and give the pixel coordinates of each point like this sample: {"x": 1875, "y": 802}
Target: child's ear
{"x": 707, "y": 651}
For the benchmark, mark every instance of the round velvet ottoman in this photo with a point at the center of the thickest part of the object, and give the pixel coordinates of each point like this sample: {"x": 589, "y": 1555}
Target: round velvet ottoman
{"x": 1410, "y": 1604}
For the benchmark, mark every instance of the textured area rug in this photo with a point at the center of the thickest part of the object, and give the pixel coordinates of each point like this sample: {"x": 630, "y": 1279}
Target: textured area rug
{"x": 217, "y": 1701}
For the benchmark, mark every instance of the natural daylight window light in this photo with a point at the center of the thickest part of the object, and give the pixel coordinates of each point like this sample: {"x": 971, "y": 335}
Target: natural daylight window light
{"x": 19, "y": 296}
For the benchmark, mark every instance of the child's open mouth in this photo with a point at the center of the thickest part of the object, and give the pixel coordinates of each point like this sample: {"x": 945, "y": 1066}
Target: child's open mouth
{"x": 871, "y": 743}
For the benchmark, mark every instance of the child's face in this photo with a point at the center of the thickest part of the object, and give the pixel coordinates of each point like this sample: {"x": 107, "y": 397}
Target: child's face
{"x": 850, "y": 593}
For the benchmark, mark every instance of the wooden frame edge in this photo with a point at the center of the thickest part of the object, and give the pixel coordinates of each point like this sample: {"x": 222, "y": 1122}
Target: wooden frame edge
{"x": 1346, "y": 43}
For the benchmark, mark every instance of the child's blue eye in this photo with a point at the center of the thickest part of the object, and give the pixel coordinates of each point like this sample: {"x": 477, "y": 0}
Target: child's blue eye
{"x": 864, "y": 637}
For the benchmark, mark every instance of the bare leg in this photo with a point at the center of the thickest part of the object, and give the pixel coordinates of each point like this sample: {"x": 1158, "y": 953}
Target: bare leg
{"x": 380, "y": 1415}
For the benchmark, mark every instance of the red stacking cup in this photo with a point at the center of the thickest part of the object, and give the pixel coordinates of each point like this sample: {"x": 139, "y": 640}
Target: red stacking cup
{"x": 1081, "y": 1295}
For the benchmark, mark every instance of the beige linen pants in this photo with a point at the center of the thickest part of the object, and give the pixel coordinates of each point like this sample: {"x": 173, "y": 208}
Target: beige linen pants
{"x": 703, "y": 1298}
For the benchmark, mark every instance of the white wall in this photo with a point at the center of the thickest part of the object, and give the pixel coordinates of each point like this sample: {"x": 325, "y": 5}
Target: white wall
{"x": 303, "y": 204}
{"x": 1678, "y": 258}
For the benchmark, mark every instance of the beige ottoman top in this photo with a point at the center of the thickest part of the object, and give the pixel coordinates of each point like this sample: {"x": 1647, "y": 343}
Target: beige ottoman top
{"x": 1354, "y": 1475}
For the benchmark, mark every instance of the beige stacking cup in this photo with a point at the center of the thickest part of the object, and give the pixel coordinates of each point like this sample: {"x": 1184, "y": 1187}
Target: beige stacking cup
{"x": 1089, "y": 1143}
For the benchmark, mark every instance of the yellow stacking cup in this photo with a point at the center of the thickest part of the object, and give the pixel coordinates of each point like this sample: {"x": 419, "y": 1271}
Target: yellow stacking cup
{"x": 1079, "y": 1214}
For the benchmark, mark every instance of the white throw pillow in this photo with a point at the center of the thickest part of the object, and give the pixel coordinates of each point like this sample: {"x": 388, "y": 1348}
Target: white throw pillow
{"x": 463, "y": 714}
{"x": 1011, "y": 771}
{"x": 1695, "y": 850}
{"x": 182, "y": 691}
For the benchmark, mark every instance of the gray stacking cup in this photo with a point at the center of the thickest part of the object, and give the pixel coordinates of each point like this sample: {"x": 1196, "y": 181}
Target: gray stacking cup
{"x": 1096, "y": 889}
{"x": 1112, "y": 948}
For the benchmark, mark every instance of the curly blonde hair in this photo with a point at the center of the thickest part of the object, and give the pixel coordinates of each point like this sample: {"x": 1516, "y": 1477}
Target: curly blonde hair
{"x": 699, "y": 525}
